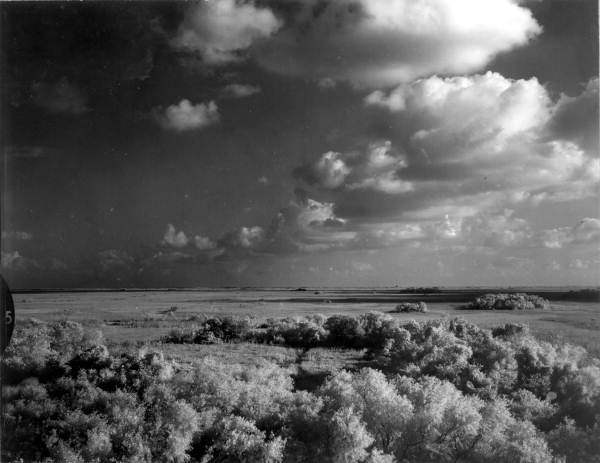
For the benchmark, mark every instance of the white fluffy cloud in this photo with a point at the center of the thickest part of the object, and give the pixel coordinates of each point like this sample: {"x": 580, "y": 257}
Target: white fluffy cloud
{"x": 496, "y": 230}
{"x": 331, "y": 170}
{"x": 307, "y": 225}
{"x": 174, "y": 238}
{"x": 382, "y": 42}
{"x": 463, "y": 154}
{"x": 373, "y": 168}
{"x": 178, "y": 239}
{"x": 244, "y": 239}
{"x": 221, "y": 30}
{"x": 15, "y": 261}
{"x": 9, "y": 258}
{"x": 586, "y": 231}
{"x": 472, "y": 108}
{"x": 17, "y": 235}
{"x": 378, "y": 169}
{"x": 478, "y": 141}
{"x": 240, "y": 90}
{"x": 492, "y": 231}
{"x": 187, "y": 116}
{"x": 204, "y": 243}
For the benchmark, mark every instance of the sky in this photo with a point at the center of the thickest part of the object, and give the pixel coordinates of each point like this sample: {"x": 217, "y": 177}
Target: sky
{"x": 300, "y": 143}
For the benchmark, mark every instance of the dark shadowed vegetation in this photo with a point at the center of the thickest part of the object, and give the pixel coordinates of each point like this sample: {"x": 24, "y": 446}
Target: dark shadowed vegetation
{"x": 436, "y": 391}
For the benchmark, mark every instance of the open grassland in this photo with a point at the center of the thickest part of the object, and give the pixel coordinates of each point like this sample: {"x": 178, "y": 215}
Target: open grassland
{"x": 144, "y": 317}
{"x": 364, "y": 388}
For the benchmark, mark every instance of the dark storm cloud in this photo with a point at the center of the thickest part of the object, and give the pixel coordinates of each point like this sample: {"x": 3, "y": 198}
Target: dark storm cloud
{"x": 114, "y": 260}
{"x": 58, "y": 52}
{"x": 576, "y": 118}
{"x": 565, "y": 55}
{"x": 60, "y": 97}
{"x": 25, "y": 152}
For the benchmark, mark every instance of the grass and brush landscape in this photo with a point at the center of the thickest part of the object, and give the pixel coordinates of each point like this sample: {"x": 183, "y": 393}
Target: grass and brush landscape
{"x": 248, "y": 381}
{"x": 300, "y": 231}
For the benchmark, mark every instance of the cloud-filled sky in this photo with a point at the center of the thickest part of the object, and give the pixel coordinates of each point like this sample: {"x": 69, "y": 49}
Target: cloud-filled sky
{"x": 300, "y": 143}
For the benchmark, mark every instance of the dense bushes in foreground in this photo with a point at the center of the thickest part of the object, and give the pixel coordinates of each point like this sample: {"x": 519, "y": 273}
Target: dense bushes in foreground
{"x": 443, "y": 391}
{"x": 369, "y": 330}
{"x": 502, "y": 301}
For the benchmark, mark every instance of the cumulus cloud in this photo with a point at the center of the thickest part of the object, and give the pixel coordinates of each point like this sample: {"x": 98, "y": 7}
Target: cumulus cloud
{"x": 482, "y": 106}
{"x": 222, "y": 30}
{"x": 388, "y": 234}
{"x": 378, "y": 42}
{"x": 17, "y": 235}
{"x": 111, "y": 260}
{"x": 576, "y": 118}
{"x": 60, "y": 97}
{"x": 329, "y": 171}
{"x": 361, "y": 266}
{"x": 373, "y": 168}
{"x": 464, "y": 154}
{"x": 586, "y": 231}
{"x": 501, "y": 230}
{"x": 174, "y": 238}
{"x": 9, "y": 258}
{"x": 186, "y": 116}
{"x": 249, "y": 237}
{"x": 25, "y": 151}
{"x": 482, "y": 141}
{"x": 484, "y": 230}
{"x": 379, "y": 170}
{"x": 204, "y": 243}
{"x": 241, "y": 242}
{"x": 240, "y": 90}
{"x": 245, "y": 239}
{"x": 13, "y": 260}
{"x": 307, "y": 225}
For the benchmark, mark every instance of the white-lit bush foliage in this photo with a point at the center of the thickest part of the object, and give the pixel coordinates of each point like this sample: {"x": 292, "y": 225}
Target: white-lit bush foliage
{"x": 411, "y": 307}
{"x": 434, "y": 392}
{"x": 516, "y": 301}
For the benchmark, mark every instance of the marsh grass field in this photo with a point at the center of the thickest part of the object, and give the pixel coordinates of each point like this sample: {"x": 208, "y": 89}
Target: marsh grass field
{"x": 131, "y": 318}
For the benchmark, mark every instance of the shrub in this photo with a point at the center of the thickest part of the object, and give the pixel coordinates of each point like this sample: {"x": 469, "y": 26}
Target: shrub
{"x": 502, "y": 301}
{"x": 576, "y": 444}
{"x": 344, "y": 331}
{"x": 241, "y": 441}
{"x": 411, "y": 307}
{"x": 447, "y": 391}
